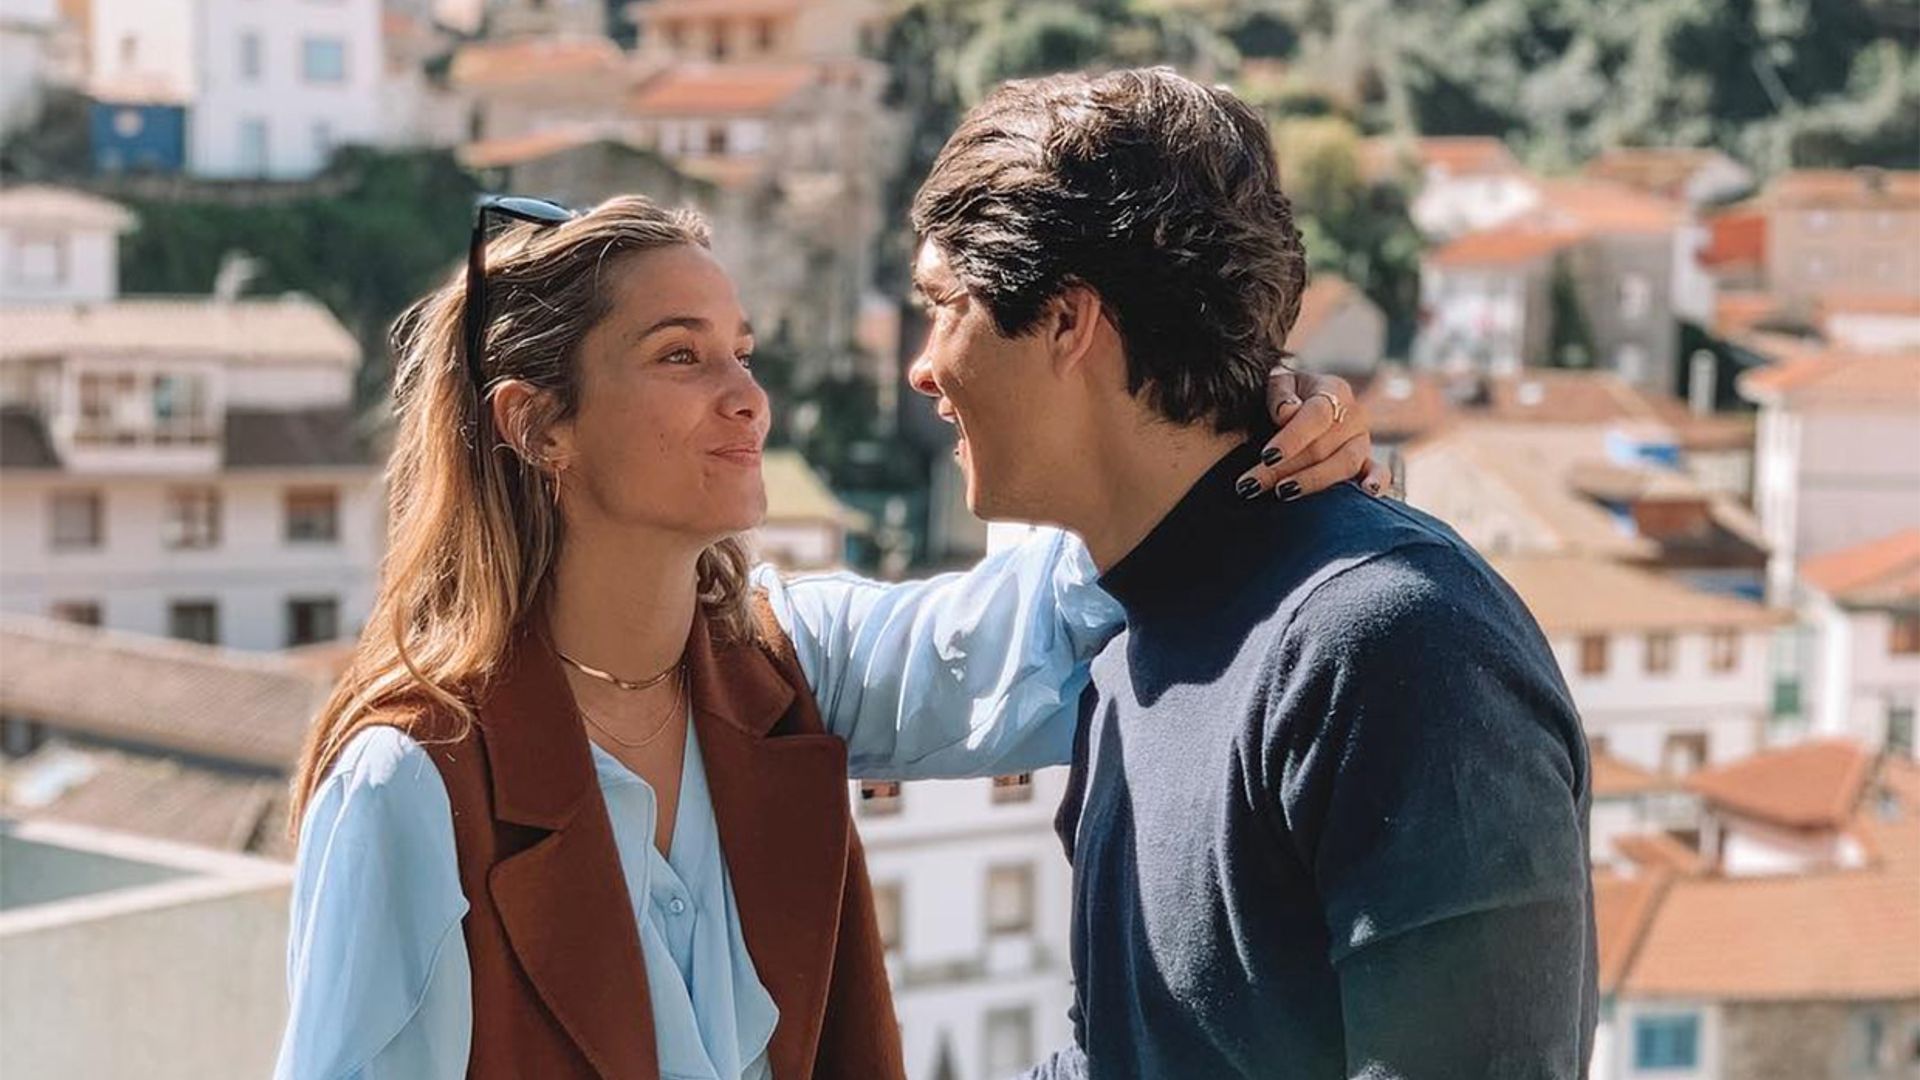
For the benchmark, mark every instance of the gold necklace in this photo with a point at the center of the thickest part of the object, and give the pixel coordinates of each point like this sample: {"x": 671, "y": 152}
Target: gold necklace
{"x": 679, "y": 708}
{"x": 616, "y": 680}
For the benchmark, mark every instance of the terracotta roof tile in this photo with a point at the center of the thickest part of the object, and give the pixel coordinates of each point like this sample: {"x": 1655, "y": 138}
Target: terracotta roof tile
{"x": 721, "y": 90}
{"x": 1662, "y": 170}
{"x": 1601, "y": 207}
{"x": 163, "y": 797}
{"x": 1879, "y": 570}
{"x": 1735, "y": 237}
{"x": 1659, "y": 851}
{"x": 1815, "y": 785}
{"x": 1864, "y": 188}
{"x": 1508, "y": 245}
{"x": 288, "y": 327}
{"x": 1623, "y": 905}
{"x": 520, "y": 149}
{"x": 1465, "y": 154}
{"x": 705, "y": 9}
{"x": 172, "y": 695}
{"x": 528, "y": 60}
{"x": 1877, "y": 381}
{"x": 1582, "y": 594}
{"x": 1613, "y": 777}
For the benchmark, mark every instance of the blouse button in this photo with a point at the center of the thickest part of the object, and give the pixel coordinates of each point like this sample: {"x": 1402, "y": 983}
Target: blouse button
{"x": 677, "y": 906}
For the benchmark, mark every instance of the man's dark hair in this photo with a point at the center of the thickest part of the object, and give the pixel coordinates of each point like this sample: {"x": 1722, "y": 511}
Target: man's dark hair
{"x": 1159, "y": 194}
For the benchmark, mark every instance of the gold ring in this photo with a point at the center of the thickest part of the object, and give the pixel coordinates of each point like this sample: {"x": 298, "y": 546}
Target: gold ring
{"x": 1339, "y": 409}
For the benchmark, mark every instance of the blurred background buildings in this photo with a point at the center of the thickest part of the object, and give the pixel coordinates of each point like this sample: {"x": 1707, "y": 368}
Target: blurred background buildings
{"x": 1634, "y": 294}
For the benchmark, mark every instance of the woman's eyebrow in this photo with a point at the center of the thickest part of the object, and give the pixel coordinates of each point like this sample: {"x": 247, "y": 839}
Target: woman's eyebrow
{"x": 685, "y": 322}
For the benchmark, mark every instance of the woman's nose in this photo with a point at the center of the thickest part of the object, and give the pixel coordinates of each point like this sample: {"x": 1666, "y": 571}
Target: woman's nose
{"x": 744, "y": 397}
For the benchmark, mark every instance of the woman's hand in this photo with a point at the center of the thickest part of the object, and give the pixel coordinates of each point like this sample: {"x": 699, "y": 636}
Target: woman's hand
{"x": 1323, "y": 439}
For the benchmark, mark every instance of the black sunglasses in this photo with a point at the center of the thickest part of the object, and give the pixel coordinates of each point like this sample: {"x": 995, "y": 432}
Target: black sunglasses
{"x": 519, "y": 208}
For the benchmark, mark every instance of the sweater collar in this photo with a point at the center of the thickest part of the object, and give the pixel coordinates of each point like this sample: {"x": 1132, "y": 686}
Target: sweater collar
{"x": 1201, "y": 547}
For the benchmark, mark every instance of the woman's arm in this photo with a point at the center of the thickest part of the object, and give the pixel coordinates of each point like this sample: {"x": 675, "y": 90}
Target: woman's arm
{"x": 378, "y": 983}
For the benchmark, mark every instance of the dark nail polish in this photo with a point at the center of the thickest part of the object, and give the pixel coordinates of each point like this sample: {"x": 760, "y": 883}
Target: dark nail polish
{"x": 1289, "y": 491}
{"x": 1248, "y": 487}
{"x": 1270, "y": 456}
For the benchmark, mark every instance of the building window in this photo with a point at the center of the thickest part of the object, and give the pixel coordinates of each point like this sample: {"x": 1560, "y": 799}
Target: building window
{"x": 312, "y": 619}
{"x": 1870, "y": 1042}
{"x": 180, "y": 412}
{"x": 763, "y": 35}
{"x": 313, "y": 516}
{"x": 1013, "y": 789}
{"x": 193, "y": 518}
{"x": 77, "y": 612}
{"x": 718, "y": 43}
{"x": 250, "y": 56}
{"x": 716, "y": 138}
{"x": 1723, "y": 650}
{"x": 1683, "y": 753}
{"x": 128, "y": 123}
{"x": 1903, "y": 637}
{"x": 79, "y": 519}
{"x": 1659, "y": 654}
{"x": 129, "y": 50}
{"x": 194, "y": 620}
{"x": 1593, "y": 655}
{"x": 39, "y": 261}
{"x": 323, "y": 60}
{"x": 253, "y": 146}
{"x": 1009, "y": 1041}
{"x": 886, "y": 911}
{"x": 1666, "y": 1042}
{"x": 1900, "y": 727}
{"x": 1635, "y": 296}
{"x": 878, "y": 797}
{"x": 1010, "y": 900}
{"x": 18, "y": 737}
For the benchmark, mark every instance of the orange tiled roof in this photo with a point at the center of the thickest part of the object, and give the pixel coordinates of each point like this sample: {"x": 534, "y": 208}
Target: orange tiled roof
{"x": 680, "y": 9}
{"x": 1461, "y": 154}
{"x": 1662, "y": 170}
{"x": 718, "y": 91}
{"x": 1602, "y": 207}
{"x": 1659, "y": 851}
{"x": 1815, "y": 785}
{"x": 1587, "y": 594}
{"x": 1864, "y": 188}
{"x": 1612, "y": 777}
{"x": 1837, "y": 377}
{"x": 518, "y": 61}
{"x": 1881, "y": 569}
{"x": 1736, "y": 237}
{"x": 1836, "y": 935}
{"x": 1505, "y": 246}
{"x": 1623, "y": 904}
{"x": 519, "y": 149}
{"x": 1860, "y": 302}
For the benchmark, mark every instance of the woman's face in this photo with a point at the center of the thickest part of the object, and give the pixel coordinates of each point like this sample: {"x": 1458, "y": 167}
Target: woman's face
{"x": 670, "y": 422}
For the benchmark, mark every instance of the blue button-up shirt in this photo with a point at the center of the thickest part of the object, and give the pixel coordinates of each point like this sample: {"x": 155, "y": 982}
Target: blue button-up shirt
{"x": 969, "y": 674}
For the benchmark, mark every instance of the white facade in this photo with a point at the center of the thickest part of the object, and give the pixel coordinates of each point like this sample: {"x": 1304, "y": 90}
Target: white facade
{"x": 1613, "y": 1050}
{"x": 57, "y": 246}
{"x": 978, "y": 957}
{"x": 27, "y": 33}
{"x": 1830, "y": 478}
{"x": 1863, "y": 683}
{"x": 271, "y": 86}
{"x": 127, "y": 956}
{"x": 1488, "y": 318}
{"x": 1451, "y": 204}
{"x": 1677, "y": 720}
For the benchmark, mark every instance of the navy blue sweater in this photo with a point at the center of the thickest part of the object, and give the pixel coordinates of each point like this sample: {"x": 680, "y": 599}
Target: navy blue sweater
{"x": 1328, "y": 809}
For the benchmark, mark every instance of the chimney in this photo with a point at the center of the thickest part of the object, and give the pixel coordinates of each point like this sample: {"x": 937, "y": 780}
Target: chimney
{"x": 1700, "y": 382}
{"x": 237, "y": 268}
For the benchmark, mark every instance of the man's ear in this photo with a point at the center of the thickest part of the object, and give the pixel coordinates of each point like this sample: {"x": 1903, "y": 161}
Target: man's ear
{"x": 523, "y": 414}
{"x": 1074, "y": 326}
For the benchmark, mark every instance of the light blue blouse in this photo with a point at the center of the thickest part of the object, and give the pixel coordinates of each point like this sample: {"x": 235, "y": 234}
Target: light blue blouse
{"x": 970, "y": 674}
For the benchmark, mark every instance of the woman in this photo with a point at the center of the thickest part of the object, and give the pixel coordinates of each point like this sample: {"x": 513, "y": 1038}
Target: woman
{"x": 578, "y": 807}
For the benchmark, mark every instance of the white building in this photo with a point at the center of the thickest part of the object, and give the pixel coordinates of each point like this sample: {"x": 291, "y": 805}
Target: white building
{"x": 1339, "y": 330}
{"x": 1462, "y": 183}
{"x": 974, "y": 897}
{"x": 1833, "y": 465}
{"x": 1666, "y": 678}
{"x": 806, "y": 526}
{"x": 271, "y": 86}
{"x": 29, "y": 32}
{"x": 1860, "y": 610}
{"x": 59, "y": 246}
{"x": 128, "y": 956}
{"x": 188, "y": 467}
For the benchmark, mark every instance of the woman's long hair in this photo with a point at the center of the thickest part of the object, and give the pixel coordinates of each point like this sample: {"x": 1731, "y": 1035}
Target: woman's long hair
{"x": 473, "y": 527}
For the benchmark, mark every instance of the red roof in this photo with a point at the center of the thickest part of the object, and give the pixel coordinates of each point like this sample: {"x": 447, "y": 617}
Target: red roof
{"x": 1461, "y": 154}
{"x": 1510, "y": 245}
{"x": 717, "y": 91}
{"x": 1885, "y": 381}
{"x": 1735, "y": 238}
{"x": 1856, "y": 189}
{"x": 1604, "y": 207}
{"x": 1883, "y": 569}
{"x": 1611, "y": 777}
{"x": 1324, "y": 297}
{"x": 517, "y": 61}
{"x": 1815, "y": 785}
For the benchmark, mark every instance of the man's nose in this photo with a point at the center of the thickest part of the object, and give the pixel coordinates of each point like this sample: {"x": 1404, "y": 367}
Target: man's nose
{"x": 920, "y": 375}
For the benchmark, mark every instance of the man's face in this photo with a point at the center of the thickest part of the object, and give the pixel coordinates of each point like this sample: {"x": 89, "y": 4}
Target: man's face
{"x": 995, "y": 390}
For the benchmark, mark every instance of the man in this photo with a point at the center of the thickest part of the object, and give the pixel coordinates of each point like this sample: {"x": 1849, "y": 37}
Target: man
{"x": 1328, "y": 809}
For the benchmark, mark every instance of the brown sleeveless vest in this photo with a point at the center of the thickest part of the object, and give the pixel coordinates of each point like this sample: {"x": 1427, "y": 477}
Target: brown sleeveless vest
{"x": 559, "y": 988}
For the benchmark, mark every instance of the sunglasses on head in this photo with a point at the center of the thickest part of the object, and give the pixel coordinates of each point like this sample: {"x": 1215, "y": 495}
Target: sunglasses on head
{"x": 520, "y": 208}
